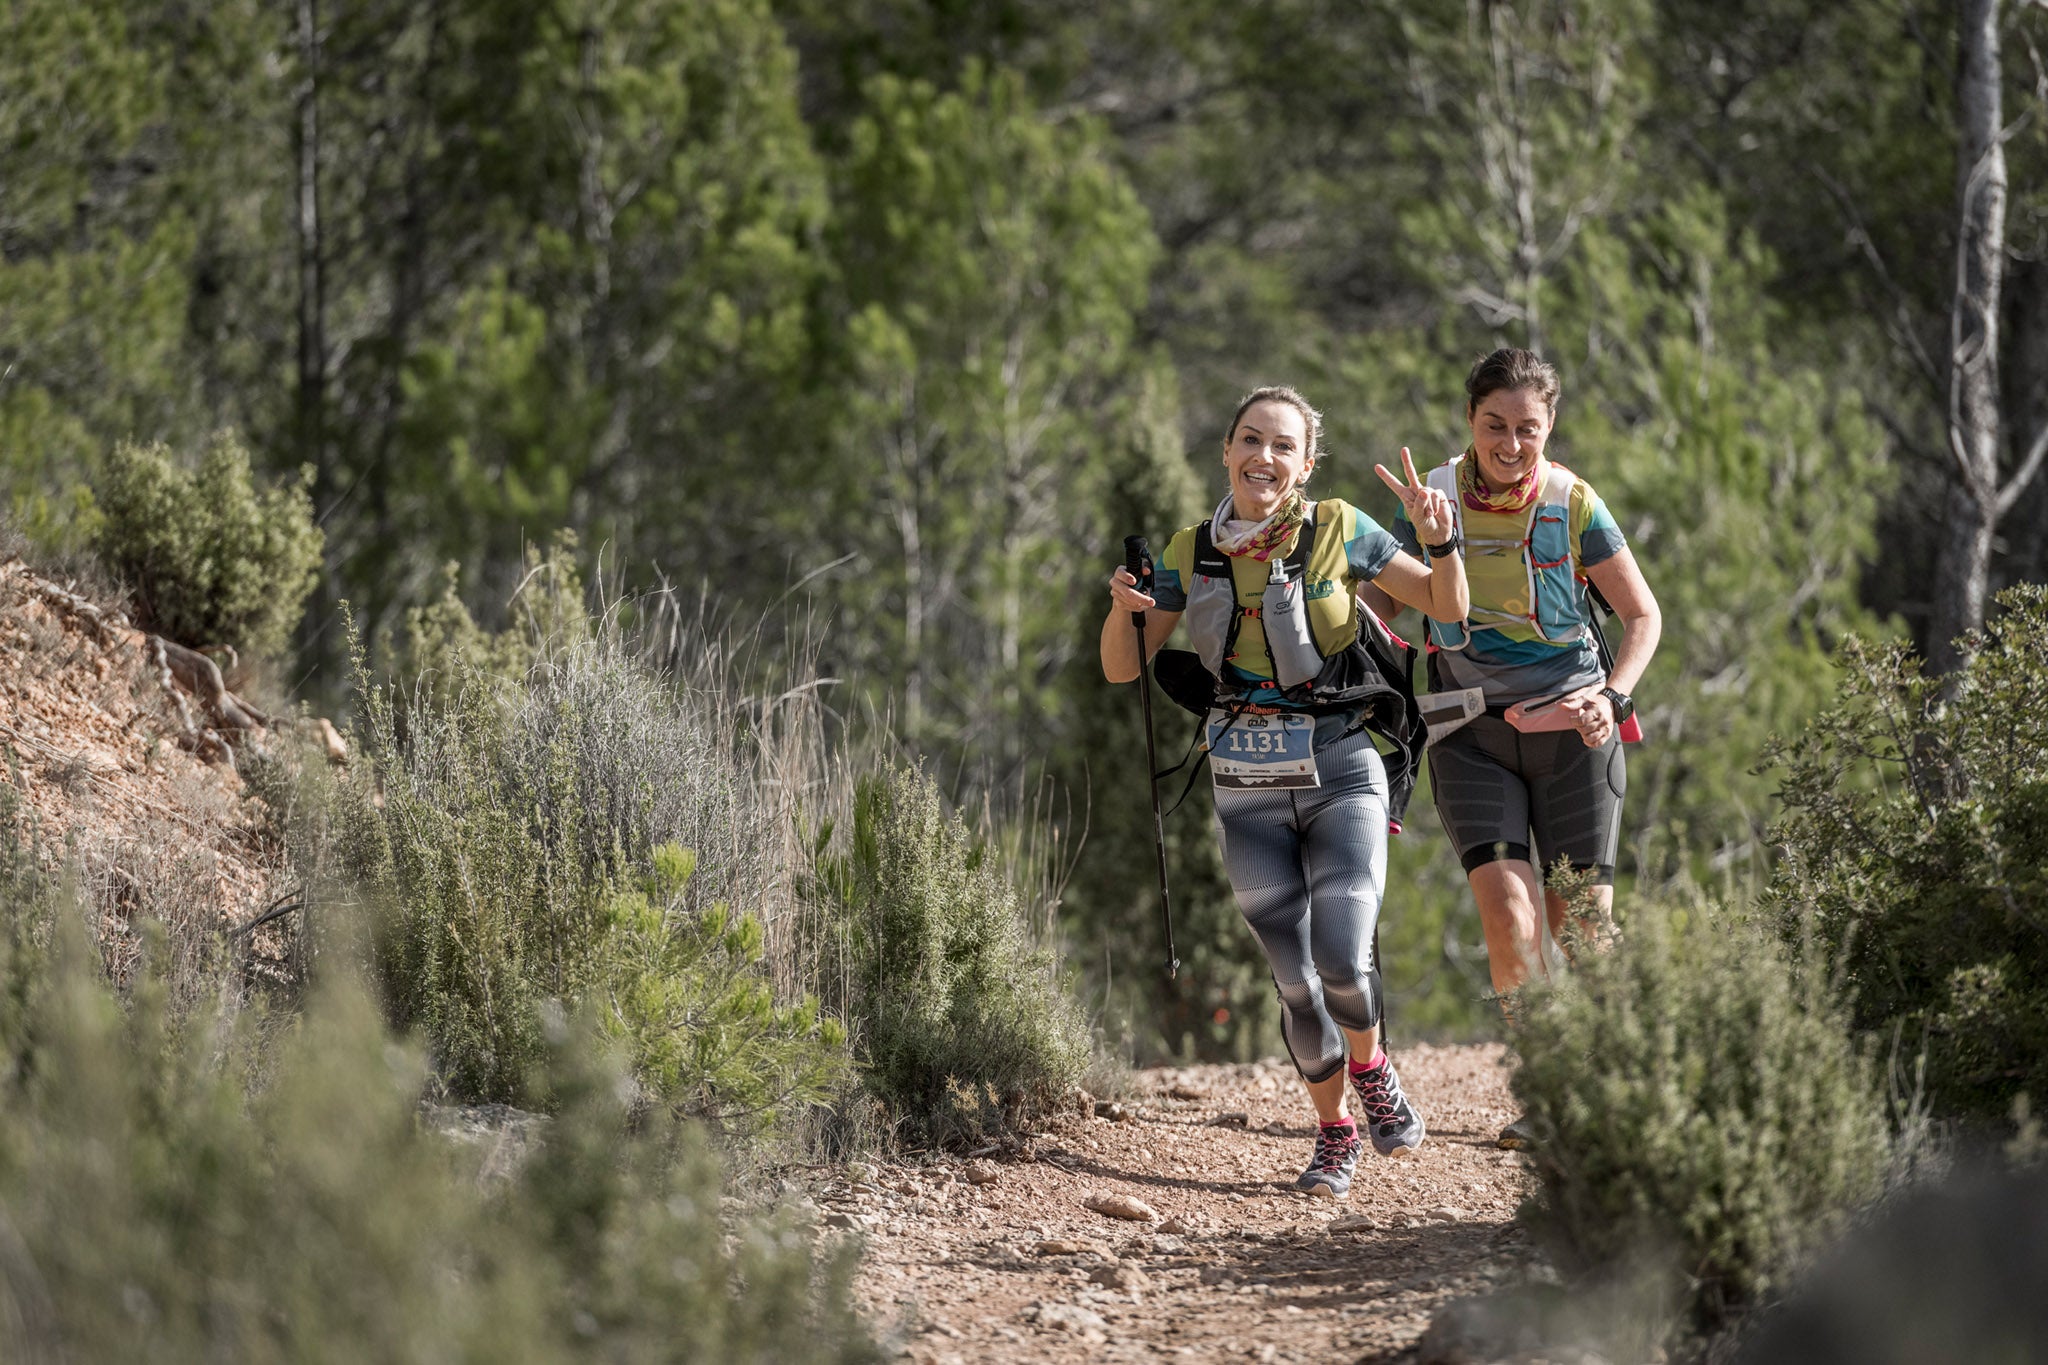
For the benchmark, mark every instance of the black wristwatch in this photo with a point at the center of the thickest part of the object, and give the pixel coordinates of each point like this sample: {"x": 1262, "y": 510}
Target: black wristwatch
{"x": 1447, "y": 549}
{"x": 1624, "y": 705}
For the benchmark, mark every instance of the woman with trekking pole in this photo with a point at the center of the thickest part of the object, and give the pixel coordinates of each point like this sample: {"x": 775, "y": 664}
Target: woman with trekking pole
{"x": 1538, "y": 770}
{"x": 1268, "y": 587}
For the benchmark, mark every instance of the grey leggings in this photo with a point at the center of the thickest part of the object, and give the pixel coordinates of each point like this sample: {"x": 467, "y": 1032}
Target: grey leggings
{"x": 1308, "y": 867}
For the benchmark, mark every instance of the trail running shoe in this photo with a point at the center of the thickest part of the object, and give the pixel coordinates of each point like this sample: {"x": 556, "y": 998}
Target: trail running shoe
{"x": 1329, "y": 1172}
{"x": 1519, "y": 1136}
{"x": 1396, "y": 1129}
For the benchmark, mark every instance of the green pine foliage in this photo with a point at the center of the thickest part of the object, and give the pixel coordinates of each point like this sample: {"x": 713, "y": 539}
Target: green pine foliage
{"x": 206, "y": 1193}
{"x": 961, "y": 1017}
{"x": 1698, "y": 1112}
{"x": 1915, "y": 856}
{"x": 686, "y": 992}
{"x": 212, "y": 558}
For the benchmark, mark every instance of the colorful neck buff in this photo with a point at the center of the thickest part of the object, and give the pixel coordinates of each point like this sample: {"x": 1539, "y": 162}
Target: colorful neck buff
{"x": 1259, "y": 540}
{"x": 1515, "y": 498}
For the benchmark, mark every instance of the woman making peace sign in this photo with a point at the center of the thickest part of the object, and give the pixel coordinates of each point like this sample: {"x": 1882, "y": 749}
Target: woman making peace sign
{"x": 1541, "y": 773}
{"x": 1269, "y": 588}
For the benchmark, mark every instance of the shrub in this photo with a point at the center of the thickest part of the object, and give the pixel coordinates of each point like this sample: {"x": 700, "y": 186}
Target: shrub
{"x": 1915, "y": 856}
{"x": 158, "y": 1204}
{"x": 536, "y": 819}
{"x": 686, "y": 993}
{"x": 1695, "y": 1109}
{"x": 211, "y": 558}
{"x": 963, "y": 1022}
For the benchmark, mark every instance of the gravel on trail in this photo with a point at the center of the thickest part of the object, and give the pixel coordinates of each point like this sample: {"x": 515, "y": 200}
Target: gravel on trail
{"x": 1196, "y": 1246}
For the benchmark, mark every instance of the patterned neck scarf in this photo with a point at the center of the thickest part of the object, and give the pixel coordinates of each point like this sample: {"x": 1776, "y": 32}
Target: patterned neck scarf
{"x": 1515, "y": 498}
{"x": 1259, "y": 540}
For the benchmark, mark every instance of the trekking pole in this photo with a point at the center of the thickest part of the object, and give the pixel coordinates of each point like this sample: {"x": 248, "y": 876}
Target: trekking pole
{"x": 1136, "y": 555}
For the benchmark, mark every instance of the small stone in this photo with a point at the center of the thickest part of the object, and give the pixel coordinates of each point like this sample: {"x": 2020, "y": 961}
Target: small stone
{"x": 1168, "y": 1246}
{"x": 1179, "y": 1227}
{"x": 1275, "y": 1126}
{"x": 331, "y": 740}
{"x": 840, "y": 1219}
{"x": 1069, "y": 1246}
{"x": 1122, "y": 1206}
{"x": 1355, "y": 1222}
{"x": 1231, "y": 1118}
{"x": 1188, "y": 1090}
{"x": 1111, "y": 1110}
{"x": 1067, "y": 1317}
{"x": 1119, "y": 1276}
{"x": 982, "y": 1172}
{"x": 1446, "y": 1215}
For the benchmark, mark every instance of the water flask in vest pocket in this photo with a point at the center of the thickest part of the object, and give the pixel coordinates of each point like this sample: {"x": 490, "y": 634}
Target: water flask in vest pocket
{"x": 1288, "y": 638}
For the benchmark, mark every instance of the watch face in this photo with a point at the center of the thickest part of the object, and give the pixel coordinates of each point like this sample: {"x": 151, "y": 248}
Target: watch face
{"x": 1624, "y": 705}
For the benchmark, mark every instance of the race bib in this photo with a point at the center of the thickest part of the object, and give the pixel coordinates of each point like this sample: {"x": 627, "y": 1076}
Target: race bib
{"x": 1262, "y": 753}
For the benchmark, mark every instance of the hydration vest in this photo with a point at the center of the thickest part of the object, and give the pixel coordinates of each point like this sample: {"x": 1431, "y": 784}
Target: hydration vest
{"x": 1329, "y": 653}
{"x": 1519, "y": 565}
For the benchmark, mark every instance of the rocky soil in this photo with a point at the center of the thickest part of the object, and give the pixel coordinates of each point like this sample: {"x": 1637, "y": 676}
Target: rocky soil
{"x": 1165, "y": 1227}
{"x": 93, "y": 770}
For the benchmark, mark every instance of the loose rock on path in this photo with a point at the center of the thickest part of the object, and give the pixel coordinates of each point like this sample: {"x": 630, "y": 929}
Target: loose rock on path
{"x": 1198, "y": 1248}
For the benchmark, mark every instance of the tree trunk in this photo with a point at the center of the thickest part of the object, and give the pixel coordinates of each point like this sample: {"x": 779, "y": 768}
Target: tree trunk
{"x": 1975, "y": 428}
{"x": 312, "y": 376}
{"x": 310, "y": 400}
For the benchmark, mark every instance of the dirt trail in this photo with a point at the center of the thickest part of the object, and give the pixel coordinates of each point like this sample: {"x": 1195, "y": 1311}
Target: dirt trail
{"x": 1236, "y": 1266}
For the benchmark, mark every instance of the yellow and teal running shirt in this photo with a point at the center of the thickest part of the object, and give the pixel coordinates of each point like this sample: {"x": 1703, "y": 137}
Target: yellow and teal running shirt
{"x": 1367, "y": 548}
{"x": 1510, "y": 664}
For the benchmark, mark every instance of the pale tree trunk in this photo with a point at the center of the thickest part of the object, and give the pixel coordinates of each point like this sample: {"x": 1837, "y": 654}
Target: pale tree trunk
{"x": 310, "y": 398}
{"x": 1976, "y": 420}
{"x": 1512, "y": 170}
{"x": 312, "y": 376}
{"x": 1539, "y": 220}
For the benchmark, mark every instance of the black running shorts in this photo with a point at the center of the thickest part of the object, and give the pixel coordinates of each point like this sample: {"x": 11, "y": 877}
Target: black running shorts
{"x": 1506, "y": 796}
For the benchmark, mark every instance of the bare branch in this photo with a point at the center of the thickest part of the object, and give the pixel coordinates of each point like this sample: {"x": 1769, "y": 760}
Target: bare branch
{"x": 1859, "y": 232}
{"x": 2029, "y": 467}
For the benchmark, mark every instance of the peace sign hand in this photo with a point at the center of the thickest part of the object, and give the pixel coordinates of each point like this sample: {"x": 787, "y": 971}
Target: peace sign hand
{"x": 1428, "y": 511}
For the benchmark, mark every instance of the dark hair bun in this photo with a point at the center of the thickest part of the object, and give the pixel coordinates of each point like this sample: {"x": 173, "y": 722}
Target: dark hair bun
{"x": 1511, "y": 368}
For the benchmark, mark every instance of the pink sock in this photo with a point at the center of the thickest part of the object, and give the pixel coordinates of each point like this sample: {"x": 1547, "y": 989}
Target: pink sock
{"x": 1379, "y": 1059}
{"x": 1345, "y": 1122}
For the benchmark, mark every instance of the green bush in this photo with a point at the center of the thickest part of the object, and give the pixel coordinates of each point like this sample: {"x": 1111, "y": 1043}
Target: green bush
{"x": 201, "y": 1195}
{"x": 963, "y": 1024}
{"x": 1915, "y": 856}
{"x": 686, "y": 993}
{"x": 212, "y": 559}
{"x": 535, "y": 818}
{"x": 1696, "y": 1111}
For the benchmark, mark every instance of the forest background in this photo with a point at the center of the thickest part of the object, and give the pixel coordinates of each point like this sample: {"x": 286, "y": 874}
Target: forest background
{"x": 878, "y": 324}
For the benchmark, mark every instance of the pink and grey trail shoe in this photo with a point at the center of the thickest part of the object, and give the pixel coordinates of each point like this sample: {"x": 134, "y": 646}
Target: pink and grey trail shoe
{"x": 1329, "y": 1171}
{"x": 1391, "y": 1121}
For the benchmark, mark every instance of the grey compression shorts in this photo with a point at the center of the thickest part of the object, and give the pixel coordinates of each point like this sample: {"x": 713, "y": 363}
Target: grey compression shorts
{"x": 1308, "y": 867}
{"x": 1499, "y": 791}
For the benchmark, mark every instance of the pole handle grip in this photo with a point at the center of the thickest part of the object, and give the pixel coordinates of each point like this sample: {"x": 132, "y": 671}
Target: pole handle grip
{"x": 1138, "y": 563}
